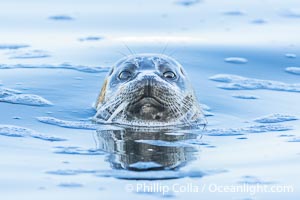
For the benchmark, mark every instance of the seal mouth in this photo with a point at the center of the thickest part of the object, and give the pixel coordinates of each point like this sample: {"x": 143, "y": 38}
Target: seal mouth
{"x": 147, "y": 108}
{"x": 148, "y": 99}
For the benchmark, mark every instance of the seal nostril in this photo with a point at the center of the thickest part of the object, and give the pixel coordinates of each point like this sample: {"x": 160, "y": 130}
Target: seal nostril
{"x": 149, "y": 87}
{"x": 157, "y": 117}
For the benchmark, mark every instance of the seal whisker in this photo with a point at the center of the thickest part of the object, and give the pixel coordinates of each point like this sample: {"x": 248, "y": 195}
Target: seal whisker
{"x": 183, "y": 117}
{"x": 186, "y": 105}
{"x": 172, "y": 107}
{"x": 165, "y": 47}
{"x": 117, "y": 111}
{"x": 120, "y": 52}
{"x": 130, "y": 51}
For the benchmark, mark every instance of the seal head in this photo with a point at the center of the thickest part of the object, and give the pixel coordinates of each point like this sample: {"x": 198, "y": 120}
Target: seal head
{"x": 147, "y": 90}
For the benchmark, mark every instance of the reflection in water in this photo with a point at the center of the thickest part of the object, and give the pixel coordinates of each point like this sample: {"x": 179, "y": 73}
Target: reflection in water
{"x": 139, "y": 150}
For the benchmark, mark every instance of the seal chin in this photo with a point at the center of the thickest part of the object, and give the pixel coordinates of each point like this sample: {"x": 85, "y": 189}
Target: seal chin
{"x": 147, "y": 108}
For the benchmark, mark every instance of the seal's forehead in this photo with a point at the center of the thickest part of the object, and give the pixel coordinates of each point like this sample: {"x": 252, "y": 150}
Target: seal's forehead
{"x": 147, "y": 61}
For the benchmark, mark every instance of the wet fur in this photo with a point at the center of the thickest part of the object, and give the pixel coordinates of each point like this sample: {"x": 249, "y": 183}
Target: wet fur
{"x": 180, "y": 105}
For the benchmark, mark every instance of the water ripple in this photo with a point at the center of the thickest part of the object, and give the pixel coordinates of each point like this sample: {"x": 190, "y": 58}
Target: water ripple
{"x": 234, "y": 82}
{"x": 275, "y": 118}
{"x": 81, "y": 68}
{"x": 17, "y": 131}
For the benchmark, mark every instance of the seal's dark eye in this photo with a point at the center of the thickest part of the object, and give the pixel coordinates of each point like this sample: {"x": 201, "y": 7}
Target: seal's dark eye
{"x": 124, "y": 75}
{"x": 170, "y": 75}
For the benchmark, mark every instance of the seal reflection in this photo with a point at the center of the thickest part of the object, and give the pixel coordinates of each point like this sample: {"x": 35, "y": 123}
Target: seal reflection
{"x": 142, "y": 150}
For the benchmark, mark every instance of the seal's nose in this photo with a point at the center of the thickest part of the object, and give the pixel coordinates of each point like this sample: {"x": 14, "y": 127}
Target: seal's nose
{"x": 148, "y": 84}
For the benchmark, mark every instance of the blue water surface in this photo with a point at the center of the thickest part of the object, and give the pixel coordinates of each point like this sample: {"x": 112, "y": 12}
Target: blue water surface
{"x": 54, "y": 56}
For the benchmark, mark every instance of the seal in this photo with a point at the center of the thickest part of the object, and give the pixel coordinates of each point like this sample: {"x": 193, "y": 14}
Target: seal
{"x": 148, "y": 90}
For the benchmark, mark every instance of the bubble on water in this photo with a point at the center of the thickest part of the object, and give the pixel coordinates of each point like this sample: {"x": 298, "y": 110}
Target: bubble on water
{"x": 197, "y": 142}
{"x": 205, "y": 107}
{"x": 295, "y": 140}
{"x": 17, "y": 131}
{"x": 71, "y": 172}
{"x": 14, "y": 131}
{"x": 291, "y": 13}
{"x": 25, "y": 99}
{"x": 293, "y": 70}
{"x": 61, "y": 18}
{"x": 242, "y": 138}
{"x": 253, "y": 180}
{"x": 206, "y": 110}
{"x": 235, "y": 82}
{"x": 208, "y": 114}
{"x": 234, "y": 13}
{"x": 68, "y": 124}
{"x": 81, "y": 68}
{"x": 210, "y": 146}
{"x": 290, "y": 55}
{"x": 236, "y": 60}
{"x": 159, "y": 194}
{"x": 77, "y": 151}
{"x": 187, "y": 2}
{"x": 70, "y": 185}
{"x": 6, "y": 92}
{"x": 259, "y": 21}
{"x": 91, "y": 38}
{"x": 156, "y": 174}
{"x": 286, "y": 135}
{"x": 41, "y": 188}
{"x": 275, "y": 118}
{"x": 138, "y": 175}
{"x": 244, "y": 96}
{"x": 29, "y": 54}
{"x": 13, "y": 46}
{"x": 47, "y": 138}
{"x": 246, "y": 130}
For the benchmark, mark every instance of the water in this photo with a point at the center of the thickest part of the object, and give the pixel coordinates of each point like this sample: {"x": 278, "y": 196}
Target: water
{"x": 53, "y": 60}
{"x": 293, "y": 70}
